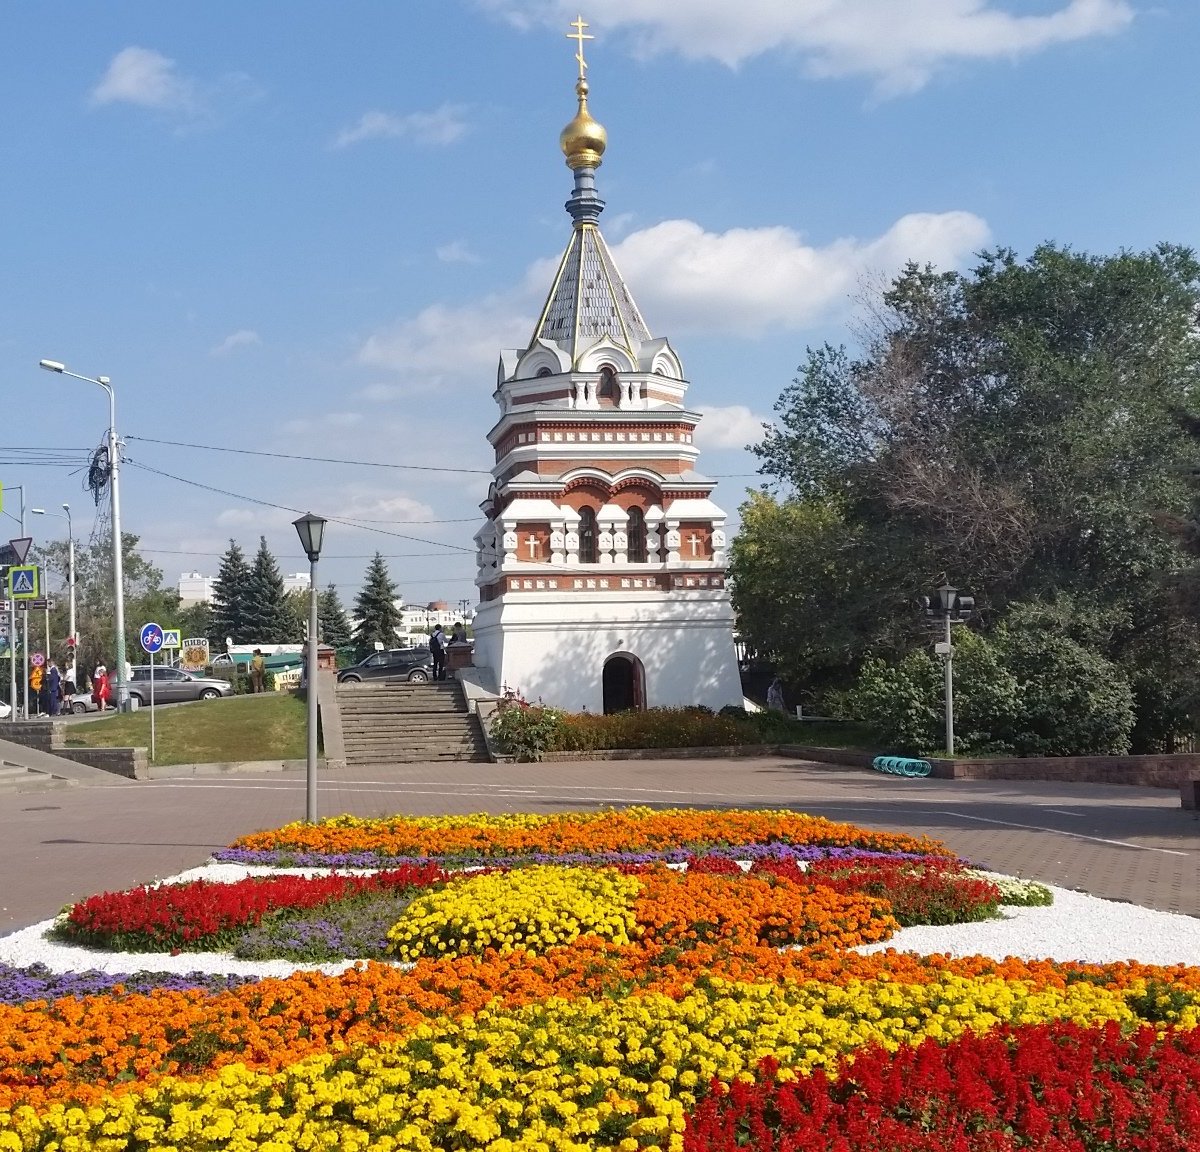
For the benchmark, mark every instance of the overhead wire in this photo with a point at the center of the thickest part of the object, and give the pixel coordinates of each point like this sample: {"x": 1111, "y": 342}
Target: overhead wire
{"x": 349, "y": 523}
{"x": 310, "y": 459}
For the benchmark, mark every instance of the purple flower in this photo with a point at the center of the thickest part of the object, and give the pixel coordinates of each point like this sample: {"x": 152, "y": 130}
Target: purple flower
{"x": 37, "y": 982}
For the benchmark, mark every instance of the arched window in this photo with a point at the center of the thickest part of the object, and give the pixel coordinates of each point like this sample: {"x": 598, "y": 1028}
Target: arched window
{"x": 636, "y": 529}
{"x": 608, "y": 389}
{"x": 588, "y": 551}
{"x": 543, "y": 371}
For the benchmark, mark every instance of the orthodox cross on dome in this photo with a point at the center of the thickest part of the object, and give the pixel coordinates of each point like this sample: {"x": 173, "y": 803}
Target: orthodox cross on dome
{"x": 579, "y": 37}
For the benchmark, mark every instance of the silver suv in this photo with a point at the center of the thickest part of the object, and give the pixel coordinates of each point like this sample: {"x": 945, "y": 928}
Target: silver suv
{"x": 172, "y": 685}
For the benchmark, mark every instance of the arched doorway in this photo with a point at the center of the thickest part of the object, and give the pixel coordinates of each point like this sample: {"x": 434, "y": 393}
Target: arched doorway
{"x": 624, "y": 684}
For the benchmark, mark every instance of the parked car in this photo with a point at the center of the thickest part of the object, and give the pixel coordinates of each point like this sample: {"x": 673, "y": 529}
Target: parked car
{"x": 415, "y": 664}
{"x": 81, "y": 702}
{"x": 173, "y": 685}
{"x": 4, "y": 710}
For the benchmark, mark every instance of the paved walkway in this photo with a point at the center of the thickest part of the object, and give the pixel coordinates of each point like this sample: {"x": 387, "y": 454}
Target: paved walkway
{"x": 1133, "y": 844}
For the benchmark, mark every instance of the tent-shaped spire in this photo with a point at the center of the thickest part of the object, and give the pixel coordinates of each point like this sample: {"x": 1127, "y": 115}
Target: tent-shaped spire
{"x": 588, "y": 300}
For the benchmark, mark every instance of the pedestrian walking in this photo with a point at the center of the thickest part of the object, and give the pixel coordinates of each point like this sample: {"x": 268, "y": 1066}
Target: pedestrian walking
{"x": 437, "y": 647}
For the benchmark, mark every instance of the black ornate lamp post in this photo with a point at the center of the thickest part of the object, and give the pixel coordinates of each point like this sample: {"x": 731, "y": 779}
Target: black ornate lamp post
{"x": 311, "y": 530}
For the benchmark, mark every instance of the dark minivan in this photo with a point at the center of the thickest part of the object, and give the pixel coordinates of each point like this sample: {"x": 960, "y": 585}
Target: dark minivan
{"x": 415, "y": 664}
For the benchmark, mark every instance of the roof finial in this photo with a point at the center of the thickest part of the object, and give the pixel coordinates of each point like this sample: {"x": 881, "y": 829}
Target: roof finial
{"x": 579, "y": 37}
{"x": 583, "y": 140}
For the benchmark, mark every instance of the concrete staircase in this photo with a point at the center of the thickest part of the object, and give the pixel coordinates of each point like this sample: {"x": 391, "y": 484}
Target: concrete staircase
{"x": 395, "y": 722}
{"x": 19, "y": 778}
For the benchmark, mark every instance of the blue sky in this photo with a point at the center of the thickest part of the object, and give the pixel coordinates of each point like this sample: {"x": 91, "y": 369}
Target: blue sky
{"x": 310, "y": 228}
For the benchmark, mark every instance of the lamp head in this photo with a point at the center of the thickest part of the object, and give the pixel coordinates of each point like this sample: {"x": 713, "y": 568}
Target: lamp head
{"x": 66, "y": 508}
{"x": 310, "y": 528}
{"x": 38, "y": 511}
{"x": 52, "y": 366}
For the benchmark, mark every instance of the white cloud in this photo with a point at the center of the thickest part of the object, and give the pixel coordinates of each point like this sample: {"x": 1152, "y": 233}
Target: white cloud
{"x": 242, "y": 338}
{"x": 144, "y": 77}
{"x": 443, "y": 125}
{"x": 374, "y": 505}
{"x": 731, "y": 427}
{"x": 242, "y": 517}
{"x": 443, "y": 341}
{"x": 899, "y": 44}
{"x": 456, "y": 252}
{"x": 748, "y": 280}
{"x": 738, "y": 283}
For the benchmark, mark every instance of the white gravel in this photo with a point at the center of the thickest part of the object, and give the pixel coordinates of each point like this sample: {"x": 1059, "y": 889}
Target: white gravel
{"x": 1075, "y": 927}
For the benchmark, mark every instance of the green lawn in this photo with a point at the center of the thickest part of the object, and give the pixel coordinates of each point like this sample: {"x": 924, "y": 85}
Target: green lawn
{"x": 270, "y": 726}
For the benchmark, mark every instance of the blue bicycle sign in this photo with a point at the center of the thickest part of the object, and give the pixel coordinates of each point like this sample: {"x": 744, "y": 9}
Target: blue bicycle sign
{"x": 152, "y": 638}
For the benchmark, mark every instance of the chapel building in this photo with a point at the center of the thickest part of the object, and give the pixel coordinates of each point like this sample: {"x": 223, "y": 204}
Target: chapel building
{"x": 602, "y": 561}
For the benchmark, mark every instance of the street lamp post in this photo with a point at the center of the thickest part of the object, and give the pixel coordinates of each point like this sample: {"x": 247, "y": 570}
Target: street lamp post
{"x": 311, "y": 529}
{"x": 114, "y": 463}
{"x": 952, "y": 609}
{"x": 12, "y": 635}
{"x": 73, "y": 638}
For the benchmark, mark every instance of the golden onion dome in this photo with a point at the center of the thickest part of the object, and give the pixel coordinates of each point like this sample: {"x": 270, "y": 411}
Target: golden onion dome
{"x": 583, "y": 140}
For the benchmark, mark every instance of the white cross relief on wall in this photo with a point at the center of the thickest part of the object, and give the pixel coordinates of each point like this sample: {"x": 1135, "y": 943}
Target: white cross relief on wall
{"x": 694, "y": 541}
{"x": 532, "y": 543}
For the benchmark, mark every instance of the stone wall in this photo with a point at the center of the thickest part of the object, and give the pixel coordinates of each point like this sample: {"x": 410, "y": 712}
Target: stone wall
{"x": 1161, "y": 771}
{"x": 132, "y": 763}
{"x": 39, "y": 734}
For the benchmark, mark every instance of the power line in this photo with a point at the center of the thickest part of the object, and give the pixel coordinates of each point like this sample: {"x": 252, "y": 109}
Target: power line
{"x": 299, "y": 512}
{"x": 365, "y": 463}
{"x": 295, "y": 556}
{"x": 310, "y": 459}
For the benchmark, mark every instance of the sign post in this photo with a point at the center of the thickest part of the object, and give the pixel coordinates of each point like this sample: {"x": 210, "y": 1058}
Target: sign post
{"x": 14, "y": 552}
{"x": 152, "y": 641}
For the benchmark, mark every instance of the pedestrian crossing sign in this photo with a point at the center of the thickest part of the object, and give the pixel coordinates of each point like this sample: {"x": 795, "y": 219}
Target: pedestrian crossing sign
{"x": 23, "y": 582}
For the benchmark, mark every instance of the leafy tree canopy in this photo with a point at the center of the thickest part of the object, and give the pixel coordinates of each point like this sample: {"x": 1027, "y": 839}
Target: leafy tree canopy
{"x": 1012, "y": 430}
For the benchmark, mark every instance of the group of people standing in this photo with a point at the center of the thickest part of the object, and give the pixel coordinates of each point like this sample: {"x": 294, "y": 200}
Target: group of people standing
{"x": 51, "y": 687}
{"x": 439, "y": 642}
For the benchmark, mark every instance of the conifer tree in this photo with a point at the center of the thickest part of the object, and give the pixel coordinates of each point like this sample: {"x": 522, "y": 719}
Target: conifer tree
{"x": 378, "y": 616}
{"x": 267, "y": 618}
{"x": 334, "y": 624}
{"x": 229, "y": 617}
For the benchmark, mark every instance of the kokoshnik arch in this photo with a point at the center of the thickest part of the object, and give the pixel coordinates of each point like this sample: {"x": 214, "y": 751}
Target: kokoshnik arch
{"x": 602, "y": 560}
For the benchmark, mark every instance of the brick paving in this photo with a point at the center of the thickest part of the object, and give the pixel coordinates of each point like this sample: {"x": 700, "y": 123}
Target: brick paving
{"x": 1132, "y": 844}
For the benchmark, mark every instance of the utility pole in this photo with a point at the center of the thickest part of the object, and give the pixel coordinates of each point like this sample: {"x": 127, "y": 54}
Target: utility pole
{"x": 114, "y": 466}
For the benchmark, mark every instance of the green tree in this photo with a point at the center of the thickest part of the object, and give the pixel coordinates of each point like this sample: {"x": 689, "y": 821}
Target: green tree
{"x": 267, "y": 620}
{"x": 809, "y": 595}
{"x": 294, "y": 617}
{"x": 1012, "y": 430}
{"x": 378, "y": 617}
{"x": 146, "y": 599}
{"x": 230, "y": 617}
{"x": 196, "y": 620}
{"x": 335, "y": 626}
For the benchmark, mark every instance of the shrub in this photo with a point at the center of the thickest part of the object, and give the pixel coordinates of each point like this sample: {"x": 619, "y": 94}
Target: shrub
{"x": 1073, "y": 702}
{"x": 901, "y": 702}
{"x": 653, "y": 728}
{"x": 525, "y": 730}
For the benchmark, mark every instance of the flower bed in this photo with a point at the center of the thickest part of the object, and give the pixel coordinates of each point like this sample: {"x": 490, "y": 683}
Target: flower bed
{"x": 526, "y": 835}
{"x": 620, "y": 1005}
{"x": 203, "y": 914}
